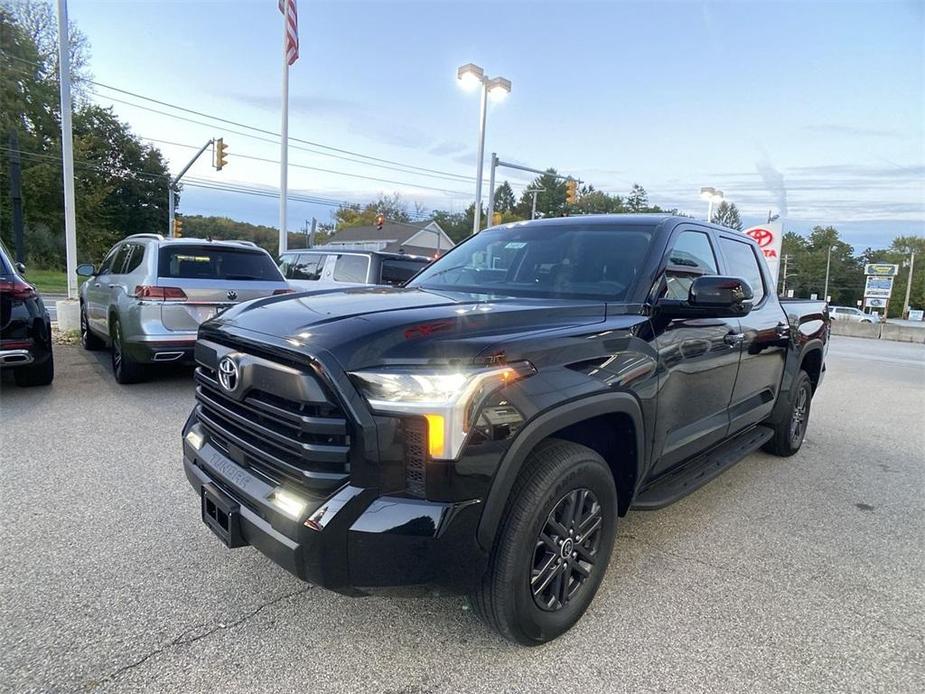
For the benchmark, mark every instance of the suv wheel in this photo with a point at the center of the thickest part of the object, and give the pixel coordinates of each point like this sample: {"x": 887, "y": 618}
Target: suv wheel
{"x": 553, "y": 546}
{"x": 124, "y": 368}
{"x": 88, "y": 340}
{"x": 790, "y": 430}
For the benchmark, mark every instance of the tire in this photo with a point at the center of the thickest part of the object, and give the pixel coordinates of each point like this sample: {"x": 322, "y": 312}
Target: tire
{"x": 125, "y": 369}
{"x": 88, "y": 340}
{"x": 522, "y": 595}
{"x": 790, "y": 429}
{"x": 36, "y": 374}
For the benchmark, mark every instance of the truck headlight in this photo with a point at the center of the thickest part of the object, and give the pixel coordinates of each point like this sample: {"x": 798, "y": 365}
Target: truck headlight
{"x": 448, "y": 399}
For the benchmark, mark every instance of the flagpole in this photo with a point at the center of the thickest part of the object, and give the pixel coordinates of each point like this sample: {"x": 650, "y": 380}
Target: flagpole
{"x": 284, "y": 144}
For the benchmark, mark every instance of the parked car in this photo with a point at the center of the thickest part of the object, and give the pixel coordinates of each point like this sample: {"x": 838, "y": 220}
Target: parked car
{"x": 849, "y": 313}
{"x": 25, "y": 328}
{"x": 483, "y": 427}
{"x": 149, "y": 295}
{"x": 332, "y": 268}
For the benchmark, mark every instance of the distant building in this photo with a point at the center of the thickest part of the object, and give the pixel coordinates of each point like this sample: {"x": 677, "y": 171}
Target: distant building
{"x": 422, "y": 238}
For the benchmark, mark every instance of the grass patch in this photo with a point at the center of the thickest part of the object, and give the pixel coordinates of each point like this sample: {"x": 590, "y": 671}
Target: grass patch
{"x": 49, "y": 281}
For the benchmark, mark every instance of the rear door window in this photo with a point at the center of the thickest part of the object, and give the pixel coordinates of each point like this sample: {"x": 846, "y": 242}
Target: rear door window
{"x": 351, "y": 268}
{"x": 135, "y": 256}
{"x": 396, "y": 272}
{"x": 308, "y": 266}
{"x": 744, "y": 263}
{"x": 209, "y": 262}
{"x": 118, "y": 262}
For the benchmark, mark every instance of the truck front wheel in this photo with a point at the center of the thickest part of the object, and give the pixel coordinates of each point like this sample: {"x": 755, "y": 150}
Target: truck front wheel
{"x": 790, "y": 428}
{"x": 553, "y": 545}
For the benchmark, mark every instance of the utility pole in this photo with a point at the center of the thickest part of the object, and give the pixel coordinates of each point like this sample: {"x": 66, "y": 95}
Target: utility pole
{"x": 16, "y": 196}
{"x": 908, "y": 285}
{"x": 491, "y": 188}
{"x": 67, "y": 150}
{"x": 534, "y": 191}
{"x": 311, "y": 234}
{"x": 172, "y": 187}
{"x": 828, "y": 263}
{"x": 783, "y": 278}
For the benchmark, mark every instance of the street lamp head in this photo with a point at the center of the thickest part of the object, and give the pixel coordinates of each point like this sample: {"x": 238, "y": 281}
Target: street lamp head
{"x": 711, "y": 194}
{"x": 470, "y": 75}
{"x": 499, "y": 87}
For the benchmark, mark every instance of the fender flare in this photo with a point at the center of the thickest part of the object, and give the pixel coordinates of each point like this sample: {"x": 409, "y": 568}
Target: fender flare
{"x": 541, "y": 427}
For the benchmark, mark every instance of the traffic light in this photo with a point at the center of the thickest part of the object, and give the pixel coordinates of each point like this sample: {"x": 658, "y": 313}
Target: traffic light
{"x": 220, "y": 154}
{"x": 571, "y": 191}
{"x": 177, "y": 227}
{"x": 380, "y": 221}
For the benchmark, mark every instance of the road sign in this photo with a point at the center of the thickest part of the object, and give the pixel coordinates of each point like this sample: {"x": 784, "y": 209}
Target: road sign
{"x": 881, "y": 269}
{"x": 874, "y": 302}
{"x": 878, "y": 287}
{"x": 916, "y": 314}
{"x": 769, "y": 238}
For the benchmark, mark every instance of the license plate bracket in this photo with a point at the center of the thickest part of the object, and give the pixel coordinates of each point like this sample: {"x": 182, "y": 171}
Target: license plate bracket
{"x": 222, "y": 515}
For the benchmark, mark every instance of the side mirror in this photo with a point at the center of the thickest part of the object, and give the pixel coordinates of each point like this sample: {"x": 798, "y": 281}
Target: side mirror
{"x": 86, "y": 270}
{"x": 20, "y": 268}
{"x": 711, "y": 296}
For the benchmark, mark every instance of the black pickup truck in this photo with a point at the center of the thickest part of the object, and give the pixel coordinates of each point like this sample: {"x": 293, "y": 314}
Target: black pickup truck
{"x": 482, "y": 428}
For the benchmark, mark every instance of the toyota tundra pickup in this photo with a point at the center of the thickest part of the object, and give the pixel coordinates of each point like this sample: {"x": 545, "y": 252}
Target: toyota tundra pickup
{"x": 483, "y": 428}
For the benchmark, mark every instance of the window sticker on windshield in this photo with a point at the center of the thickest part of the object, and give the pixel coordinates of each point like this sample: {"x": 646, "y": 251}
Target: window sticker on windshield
{"x": 515, "y": 244}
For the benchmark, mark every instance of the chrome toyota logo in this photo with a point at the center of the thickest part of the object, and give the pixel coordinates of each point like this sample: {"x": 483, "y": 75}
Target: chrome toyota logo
{"x": 232, "y": 295}
{"x": 228, "y": 373}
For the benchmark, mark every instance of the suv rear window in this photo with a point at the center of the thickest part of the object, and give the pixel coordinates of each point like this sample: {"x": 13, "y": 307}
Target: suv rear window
{"x": 397, "y": 272}
{"x": 215, "y": 263}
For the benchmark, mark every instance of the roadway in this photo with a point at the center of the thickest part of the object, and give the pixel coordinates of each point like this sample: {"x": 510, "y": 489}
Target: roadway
{"x": 782, "y": 575}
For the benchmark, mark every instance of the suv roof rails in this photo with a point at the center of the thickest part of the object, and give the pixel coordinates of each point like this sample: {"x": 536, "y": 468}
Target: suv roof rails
{"x": 158, "y": 237}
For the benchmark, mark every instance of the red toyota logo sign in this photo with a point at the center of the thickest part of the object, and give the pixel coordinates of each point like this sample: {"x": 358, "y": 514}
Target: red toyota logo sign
{"x": 762, "y": 237}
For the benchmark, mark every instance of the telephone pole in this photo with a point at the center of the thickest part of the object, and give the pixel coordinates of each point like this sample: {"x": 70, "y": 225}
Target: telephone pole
{"x": 783, "y": 277}
{"x": 908, "y": 285}
{"x": 16, "y": 197}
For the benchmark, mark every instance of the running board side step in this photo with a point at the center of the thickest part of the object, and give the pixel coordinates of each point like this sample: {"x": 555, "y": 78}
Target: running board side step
{"x": 692, "y": 475}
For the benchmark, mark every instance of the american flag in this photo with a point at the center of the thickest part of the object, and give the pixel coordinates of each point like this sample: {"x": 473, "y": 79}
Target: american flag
{"x": 287, "y": 7}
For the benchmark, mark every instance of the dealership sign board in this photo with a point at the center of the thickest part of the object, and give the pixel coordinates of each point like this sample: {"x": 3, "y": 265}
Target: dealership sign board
{"x": 878, "y": 287}
{"x": 769, "y": 238}
{"x": 872, "y": 302}
{"x": 881, "y": 269}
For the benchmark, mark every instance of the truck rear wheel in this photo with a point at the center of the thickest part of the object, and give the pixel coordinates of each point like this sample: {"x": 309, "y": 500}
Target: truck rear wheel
{"x": 790, "y": 429}
{"x": 553, "y": 545}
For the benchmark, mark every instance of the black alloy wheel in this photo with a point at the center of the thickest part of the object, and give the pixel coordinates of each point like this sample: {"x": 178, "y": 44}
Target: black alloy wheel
{"x": 566, "y": 549}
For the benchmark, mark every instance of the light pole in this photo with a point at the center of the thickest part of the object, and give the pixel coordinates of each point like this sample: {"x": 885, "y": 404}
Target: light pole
{"x": 911, "y": 263}
{"x": 470, "y": 76}
{"x": 711, "y": 195}
{"x": 534, "y": 191}
{"x": 828, "y": 264}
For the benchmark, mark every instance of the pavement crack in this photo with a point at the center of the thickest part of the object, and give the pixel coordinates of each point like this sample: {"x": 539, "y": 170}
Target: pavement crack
{"x": 179, "y": 639}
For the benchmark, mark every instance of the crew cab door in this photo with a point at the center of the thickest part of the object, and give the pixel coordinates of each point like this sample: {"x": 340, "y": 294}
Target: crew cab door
{"x": 765, "y": 333}
{"x": 698, "y": 359}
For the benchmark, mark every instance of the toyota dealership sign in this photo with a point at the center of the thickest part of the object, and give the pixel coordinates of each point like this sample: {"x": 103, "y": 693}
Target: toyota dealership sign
{"x": 769, "y": 238}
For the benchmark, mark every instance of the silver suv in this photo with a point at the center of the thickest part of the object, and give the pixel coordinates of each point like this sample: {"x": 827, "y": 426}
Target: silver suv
{"x": 150, "y": 294}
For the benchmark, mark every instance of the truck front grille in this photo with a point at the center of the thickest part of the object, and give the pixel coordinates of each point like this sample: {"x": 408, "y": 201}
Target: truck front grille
{"x": 282, "y": 439}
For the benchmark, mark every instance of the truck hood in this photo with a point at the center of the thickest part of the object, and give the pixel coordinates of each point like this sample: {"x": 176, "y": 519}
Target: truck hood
{"x": 373, "y": 326}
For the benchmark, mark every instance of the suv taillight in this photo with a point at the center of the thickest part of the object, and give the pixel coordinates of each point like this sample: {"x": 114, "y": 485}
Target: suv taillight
{"x": 152, "y": 293}
{"x": 17, "y": 289}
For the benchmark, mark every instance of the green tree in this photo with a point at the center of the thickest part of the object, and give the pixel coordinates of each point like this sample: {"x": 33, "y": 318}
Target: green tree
{"x": 392, "y": 207}
{"x": 637, "y": 200}
{"x": 550, "y": 202}
{"x": 806, "y": 264}
{"x": 504, "y": 198}
{"x": 727, "y": 215}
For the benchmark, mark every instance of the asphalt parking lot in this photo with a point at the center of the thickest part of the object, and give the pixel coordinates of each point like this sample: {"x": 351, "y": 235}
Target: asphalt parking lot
{"x": 801, "y": 574}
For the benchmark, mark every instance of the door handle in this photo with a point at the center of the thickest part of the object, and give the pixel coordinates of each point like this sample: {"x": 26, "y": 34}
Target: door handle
{"x": 113, "y": 286}
{"x": 733, "y": 339}
{"x": 783, "y": 330}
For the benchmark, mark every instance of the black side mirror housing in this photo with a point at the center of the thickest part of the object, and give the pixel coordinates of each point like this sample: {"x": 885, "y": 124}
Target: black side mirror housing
{"x": 711, "y": 296}
{"x": 86, "y": 270}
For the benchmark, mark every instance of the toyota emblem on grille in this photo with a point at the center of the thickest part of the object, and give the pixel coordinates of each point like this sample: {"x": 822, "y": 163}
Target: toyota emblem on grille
{"x": 228, "y": 373}
{"x": 232, "y": 295}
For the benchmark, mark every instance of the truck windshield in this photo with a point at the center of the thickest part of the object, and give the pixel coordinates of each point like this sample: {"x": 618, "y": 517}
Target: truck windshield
{"x": 548, "y": 261}
{"x": 210, "y": 262}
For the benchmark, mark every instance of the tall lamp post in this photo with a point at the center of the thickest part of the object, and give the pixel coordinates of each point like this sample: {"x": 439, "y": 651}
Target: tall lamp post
{"x": 711, "y": 195}
{"x": 471, "y": 76}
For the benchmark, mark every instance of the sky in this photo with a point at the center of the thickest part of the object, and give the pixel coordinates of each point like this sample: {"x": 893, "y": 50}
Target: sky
{"x": 812, "y": 110}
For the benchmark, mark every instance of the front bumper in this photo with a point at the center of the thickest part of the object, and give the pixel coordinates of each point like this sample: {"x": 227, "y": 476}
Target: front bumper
{"x": 352, "y": 540}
